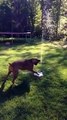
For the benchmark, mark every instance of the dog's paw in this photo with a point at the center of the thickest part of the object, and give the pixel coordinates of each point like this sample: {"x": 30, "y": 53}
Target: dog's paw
{"x": 38, "y": 74}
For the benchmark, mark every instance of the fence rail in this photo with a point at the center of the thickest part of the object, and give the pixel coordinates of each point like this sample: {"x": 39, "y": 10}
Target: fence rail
{"x": 3, "y": 37}
{"x": 15, "y": 33}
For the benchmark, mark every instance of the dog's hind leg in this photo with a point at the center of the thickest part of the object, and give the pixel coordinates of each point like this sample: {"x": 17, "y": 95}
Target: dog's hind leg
{"x": 4, "y": 81}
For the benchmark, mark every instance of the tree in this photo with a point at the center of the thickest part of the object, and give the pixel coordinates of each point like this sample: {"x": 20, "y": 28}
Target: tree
{"x": 35, "y": 15}
{"x": 56, "y": 15}
{"x": 50, "y": 18}
{"x": 5, "y": 17}
{"x": 20, "y": 16}
{"x": 63, "y": 18}
{"x": 46, "y": 19}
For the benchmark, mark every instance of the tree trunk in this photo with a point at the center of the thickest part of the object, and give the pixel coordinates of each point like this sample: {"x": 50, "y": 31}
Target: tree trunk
{"x": 58, "y": 16}
{"x": 46, "y": 19}
{"x": 50, "y": 18}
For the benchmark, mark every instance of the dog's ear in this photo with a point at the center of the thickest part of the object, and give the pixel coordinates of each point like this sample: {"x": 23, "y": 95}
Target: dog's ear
{"x": 35, "y": 61}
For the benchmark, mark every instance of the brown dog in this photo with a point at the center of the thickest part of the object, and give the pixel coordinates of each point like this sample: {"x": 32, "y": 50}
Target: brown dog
{"x": 21, "y": 65}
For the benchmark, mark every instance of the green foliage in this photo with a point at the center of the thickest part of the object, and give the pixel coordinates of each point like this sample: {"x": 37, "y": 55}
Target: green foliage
{"x": 63, "y": 18}
{"x": 47, "y": 96}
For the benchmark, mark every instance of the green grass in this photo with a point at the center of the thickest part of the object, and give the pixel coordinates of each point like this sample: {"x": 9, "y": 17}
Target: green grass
{"x": 38, "y": 98}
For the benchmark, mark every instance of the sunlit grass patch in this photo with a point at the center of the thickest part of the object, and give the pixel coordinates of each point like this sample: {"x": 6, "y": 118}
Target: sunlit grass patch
{"x": 63, "y": 72}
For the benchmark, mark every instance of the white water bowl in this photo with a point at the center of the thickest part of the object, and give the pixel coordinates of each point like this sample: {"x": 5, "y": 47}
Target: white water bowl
{"x": 38, "y": 74}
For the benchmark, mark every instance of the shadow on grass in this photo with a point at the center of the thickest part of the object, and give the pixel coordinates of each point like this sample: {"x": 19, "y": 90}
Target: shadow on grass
{"x": 18, "y": 90}
{"x": 17, "y": 41}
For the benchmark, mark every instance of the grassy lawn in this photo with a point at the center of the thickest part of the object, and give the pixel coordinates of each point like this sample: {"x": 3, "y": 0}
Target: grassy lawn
{"x": 35, "y": 98}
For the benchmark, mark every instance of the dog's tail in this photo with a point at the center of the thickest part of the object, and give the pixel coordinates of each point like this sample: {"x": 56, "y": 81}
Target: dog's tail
{"x": 10, "y": 64}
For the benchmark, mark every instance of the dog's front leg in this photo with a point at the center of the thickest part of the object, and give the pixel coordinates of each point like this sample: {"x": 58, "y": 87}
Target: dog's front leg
{"x": 15, "y": 74}
{"x": 34, "y": 72}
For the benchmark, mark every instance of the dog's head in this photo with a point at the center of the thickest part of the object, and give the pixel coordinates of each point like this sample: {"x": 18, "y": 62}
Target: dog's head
{"x": 35, "y": 61}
